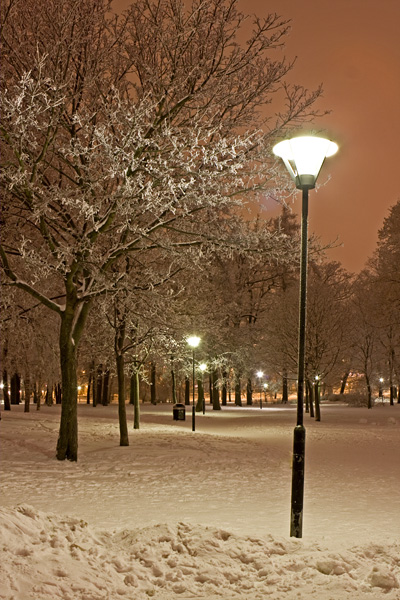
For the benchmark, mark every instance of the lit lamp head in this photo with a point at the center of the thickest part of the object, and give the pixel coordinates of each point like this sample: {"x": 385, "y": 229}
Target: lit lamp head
{"x": 203, "y": 367}
{"x": 303, "y": 157}
{"x": 260, "y": 374}
{"x": 193, "y": 341}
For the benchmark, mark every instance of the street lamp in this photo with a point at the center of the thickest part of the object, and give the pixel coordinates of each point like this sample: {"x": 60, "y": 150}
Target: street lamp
{"x": 202, "y": 368}
{"x": 193, "y": 341}
{"x": 260, "y": 375}
{"x": 303, "y": 157}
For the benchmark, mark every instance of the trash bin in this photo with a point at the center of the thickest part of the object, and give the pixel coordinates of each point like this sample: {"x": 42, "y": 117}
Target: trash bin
{"x": 179, "y": 412}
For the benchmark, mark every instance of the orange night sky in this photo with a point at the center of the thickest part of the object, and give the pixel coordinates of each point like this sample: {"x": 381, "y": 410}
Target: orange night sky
{"x": 352, "y": 47}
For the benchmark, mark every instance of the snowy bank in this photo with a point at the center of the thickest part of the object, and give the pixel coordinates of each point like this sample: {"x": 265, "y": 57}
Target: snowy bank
{"x": 47, "y": 557}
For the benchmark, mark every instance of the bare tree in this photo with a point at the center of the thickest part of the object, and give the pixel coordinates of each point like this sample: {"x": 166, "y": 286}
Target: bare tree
{"x": 117, "y": 133}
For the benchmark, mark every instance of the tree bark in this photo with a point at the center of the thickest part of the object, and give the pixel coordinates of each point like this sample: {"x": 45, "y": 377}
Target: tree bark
{"x": 215, "y": 391}
{"x": 200, "y": 395}
{"x": 317, "y": 402}
{"x": 224, "y": 389}
{"x": 105, "y": 399}
{"x": 187, "y": 391}
{"x": 311, "y": 398}
{"x": 344, "y": 381}
{"x": 238, "y": 393}
{"x": 67, "y": 445}
{"x": 249, "y": 393}
{"x": 123, "y": 426}
{"x": 6, "y": 395}
{"x": 15, "y": 389}
{"x": 73, "y": 319}
{"x": 28, "y": 391}
{"x": 153, "y": 388}
{"x": 285, "y": 394}
{"x": 134, "y": 399}
{"x": 369, "y": 390}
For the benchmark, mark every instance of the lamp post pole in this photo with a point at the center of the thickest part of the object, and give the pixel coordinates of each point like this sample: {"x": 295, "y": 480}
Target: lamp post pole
{"x": 299, "y": 434}
{"x": 203, "y": 367}
{"x": 193, "y": 407}
{"x": 193, "y": 341}
{"x": 303, "y": 157}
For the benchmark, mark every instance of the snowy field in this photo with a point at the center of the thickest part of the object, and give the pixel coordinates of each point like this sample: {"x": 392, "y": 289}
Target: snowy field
{"x": 202, "y": 515}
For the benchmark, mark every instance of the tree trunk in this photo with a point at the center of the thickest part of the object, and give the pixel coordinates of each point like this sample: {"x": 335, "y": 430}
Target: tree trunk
{"x": 307, "y": 399}
{"x": 153, "y": 388}
{"x": 123, "y": 426}
{"x": 369, "y": 390}
{"x": 317, "y": 402}
{"x": 173, "y": 381}
{"x": 49, "y": 394}
{"x": 249, "y": 393}
{"x": 238, "y": 393}
{"x": 39, "y": 395}
{"x": 105, "y": 399}
{"x": 311, "y": 398}
{"x": 6, "y": 395}
{"x": 15, "y": 389}
{"x": 200, "y": 395}
{"x": 134, "y": 399}
{"x": 224, "y": 388}
{"x": 187, "y": 391}
{"x": 99, "y": 385}
{"x": 90, "y": 383}
{"x": 28, "y": 391}
{"x": 58, "y": 393}
{"x": 344, "y": 381}
{"x": 67, "y": 445}
{"x": 215, "y": 391}
{"x": 285, "y": 394}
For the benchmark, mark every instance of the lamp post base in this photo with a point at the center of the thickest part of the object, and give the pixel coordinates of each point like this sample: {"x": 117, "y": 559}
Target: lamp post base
{"x": 296, "y": 517}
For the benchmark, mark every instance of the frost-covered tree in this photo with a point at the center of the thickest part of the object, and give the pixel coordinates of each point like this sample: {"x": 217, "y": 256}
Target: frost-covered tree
{"x": 123, "y": 135}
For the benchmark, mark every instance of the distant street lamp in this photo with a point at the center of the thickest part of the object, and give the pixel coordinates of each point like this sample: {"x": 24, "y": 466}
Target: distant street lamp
{"x": 260, "y": 375}
{"x": 303, "y": 157}
{"x": 193, "y": 341}
{"x": 202, "y": 368}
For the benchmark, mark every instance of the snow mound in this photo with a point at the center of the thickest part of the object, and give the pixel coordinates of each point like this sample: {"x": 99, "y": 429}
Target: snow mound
{"x": 49, "y": 557}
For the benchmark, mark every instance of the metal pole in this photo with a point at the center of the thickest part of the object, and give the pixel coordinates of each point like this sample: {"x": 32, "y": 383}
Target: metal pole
{"x": 193, "y": 407}
{"x": 299, "y": 437}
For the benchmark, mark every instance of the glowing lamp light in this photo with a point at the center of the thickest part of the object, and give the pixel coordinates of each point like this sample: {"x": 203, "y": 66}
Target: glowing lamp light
{"x": 203, "y": 367}
{"x": 303, "y": 157}
{"x": 260, "y": 374}
{"x": 193, "y": 341}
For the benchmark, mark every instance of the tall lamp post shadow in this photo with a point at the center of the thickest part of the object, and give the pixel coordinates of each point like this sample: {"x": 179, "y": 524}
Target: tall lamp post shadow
{"x": 193, "y": 341}
{"x": 303, "y": 157}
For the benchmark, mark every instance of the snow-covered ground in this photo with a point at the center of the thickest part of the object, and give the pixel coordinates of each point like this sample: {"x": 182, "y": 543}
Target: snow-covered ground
{"x": 201, "y": 515}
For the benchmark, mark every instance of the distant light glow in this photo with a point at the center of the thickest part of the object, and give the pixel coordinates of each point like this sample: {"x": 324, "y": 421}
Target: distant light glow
{"x": 260, "y": 374}
{"x": 193, "y": 341}
{"x": 203, "y": 367}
